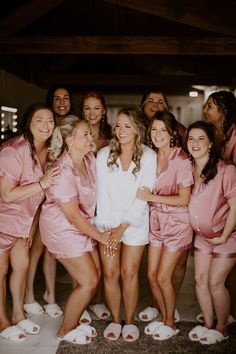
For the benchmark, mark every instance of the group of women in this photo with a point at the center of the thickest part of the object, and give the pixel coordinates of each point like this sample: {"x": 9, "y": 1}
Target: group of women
{"x": 95, "y": 196}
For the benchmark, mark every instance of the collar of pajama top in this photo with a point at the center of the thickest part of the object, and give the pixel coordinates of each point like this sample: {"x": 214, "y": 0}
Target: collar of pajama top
{"x": 16, "y": 165}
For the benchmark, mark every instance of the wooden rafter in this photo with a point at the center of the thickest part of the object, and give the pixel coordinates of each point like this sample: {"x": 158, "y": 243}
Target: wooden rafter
{"x": 133, "y": 80}
{"x": 188, "y": 13}
{"x": 118, "y": 45}
{"x": 26, "y": 14}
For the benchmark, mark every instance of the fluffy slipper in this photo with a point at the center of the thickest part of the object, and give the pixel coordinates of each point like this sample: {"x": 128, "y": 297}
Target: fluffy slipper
{"x": 231, "y": 319}
{"x": 13, "y": 333}
{"x": 76, "y": 337}
{"x": 212, "y": 336}
{"x": 151, "y": 327}
{"x": 33, "y": 309}
{"x": 197, "y": 333}
{"x": 164, "y": 332}
{"x": 148, "y": 314}
{"x": 100, "y": 310}
{"x": 130, "y": 333}
{"x": 29, "y": 326}
{"x": 88, "y": 330}
{"x": 53, "y": 310}
{"x": 112, "y": 331}
{"x": 200, "y": 317}
{"x": 85, "y": 318}
{"x": 177, "y": 316}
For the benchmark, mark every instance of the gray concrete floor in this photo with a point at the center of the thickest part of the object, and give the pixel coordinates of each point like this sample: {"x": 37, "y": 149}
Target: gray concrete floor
{"x": 46, "y": 343}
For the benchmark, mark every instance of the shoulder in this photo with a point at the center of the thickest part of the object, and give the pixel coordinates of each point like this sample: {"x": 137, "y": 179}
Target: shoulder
{"x": 16, "y": 146}
{"x": 103, "y": 153}
{"x": 148, "y": 152}
{"x": 225, "y": 168}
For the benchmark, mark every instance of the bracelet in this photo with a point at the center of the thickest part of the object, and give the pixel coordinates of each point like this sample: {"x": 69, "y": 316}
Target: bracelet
{"x": 41, "y": 185}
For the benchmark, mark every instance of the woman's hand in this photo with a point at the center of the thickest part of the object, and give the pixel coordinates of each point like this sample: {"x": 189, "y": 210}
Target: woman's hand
{"x": 110, "y": 246}
{"x": 216, "y": 240}
{"x": 49, "y": 177}
{"x": 144, "y": 194}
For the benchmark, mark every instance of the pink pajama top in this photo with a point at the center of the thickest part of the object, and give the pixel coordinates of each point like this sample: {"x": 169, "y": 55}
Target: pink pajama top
{"x": 63, "y": 239}
{"x": 208, "y": 207}
{"x": 177, "y": 174}
{"x": 16, "y": 165}
{"x": 169, "y": 225}
{"x": 228, "y": 153}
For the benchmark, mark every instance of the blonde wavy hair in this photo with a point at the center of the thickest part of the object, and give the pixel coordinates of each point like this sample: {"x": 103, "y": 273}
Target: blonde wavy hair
{"x": 135, "y": 115}
{"x": 65, "y": 129}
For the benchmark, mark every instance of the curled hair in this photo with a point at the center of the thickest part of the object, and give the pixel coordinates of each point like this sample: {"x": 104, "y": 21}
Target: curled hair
{"x": 104, "y": 128}
{"x": 25, "y": 125}
{"x": 51, "y": 92}
{"x": 210, "y": 169}
{"x": 136, "y": 119}
{"x": 226, "y": 104}
{"x": 171, "y": 126}
{"x": 58, "y": 142}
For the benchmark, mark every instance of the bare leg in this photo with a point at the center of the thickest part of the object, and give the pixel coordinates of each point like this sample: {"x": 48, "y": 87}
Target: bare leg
{"x": 231, "y": 286}
{"x": 154, "y": 258}
{"x": 19, "y": 258}
{"x": 179, "y": 271}
{"x": 111, "y": 274}
{"x": 130, "y": 263}
{"x": 35, "y": 253}
{"x": 220, "y": 268}
{"x": 164, "y": 278}
{"x": 202, "y": 263}
{"x": 49, "y": 269}
{"x": 4, "y": 264}
{"x": 83, "y": 270}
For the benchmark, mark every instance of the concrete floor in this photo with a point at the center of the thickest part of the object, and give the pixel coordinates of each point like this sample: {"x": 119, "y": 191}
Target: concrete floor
{"x": 46, "y": 343}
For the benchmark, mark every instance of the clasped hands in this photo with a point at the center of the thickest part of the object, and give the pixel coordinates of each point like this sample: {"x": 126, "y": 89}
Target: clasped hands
{"x": 113, "y": 238}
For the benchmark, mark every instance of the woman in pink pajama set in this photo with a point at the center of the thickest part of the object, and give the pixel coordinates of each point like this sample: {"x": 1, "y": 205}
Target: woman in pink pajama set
{"x": 220, "y": 110}
{"x": 212, "y": 211}
{"x": 170, "y": 233}
{"x": 22, "y": 185}
{"x": 66, "y": 220}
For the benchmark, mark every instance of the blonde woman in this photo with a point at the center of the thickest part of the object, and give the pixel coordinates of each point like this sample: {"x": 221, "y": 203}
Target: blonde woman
{"x": 122, "y": 167}
{"x": 66, "y": 221}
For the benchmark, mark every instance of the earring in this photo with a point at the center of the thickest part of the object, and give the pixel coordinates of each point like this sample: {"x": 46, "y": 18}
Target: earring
{"x": 171, "y": 143}
{"x": 209, "y": 150}
{"x": 190, "y": 156}
{"x": 103, "y": 118}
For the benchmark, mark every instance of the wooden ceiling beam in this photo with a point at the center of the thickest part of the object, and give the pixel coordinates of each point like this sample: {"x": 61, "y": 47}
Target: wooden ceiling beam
{"x": 135, "y": 80}
{"x": 118, "y": 45}
{"x": 26, "y": 14}
{"x": 189, "y": 13}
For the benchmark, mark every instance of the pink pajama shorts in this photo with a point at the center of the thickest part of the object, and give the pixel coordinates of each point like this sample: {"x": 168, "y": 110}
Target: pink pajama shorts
{"x": 171, "y": 230}
{"x": 6, "y": 242}
{"x": 225, "y": 250}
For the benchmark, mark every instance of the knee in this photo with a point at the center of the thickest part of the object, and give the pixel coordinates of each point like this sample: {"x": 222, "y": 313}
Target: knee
{"x": 91, "y": 284}
{"x": 162, "y": 280}
{"x": 128, "y": 273}
{"x": 201, "y": 280}
{"x": 214, "y": 284}
{"x": 3, "y": 270}
{"x": 152, "y": 278}
{"x": 111, "y": 276}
